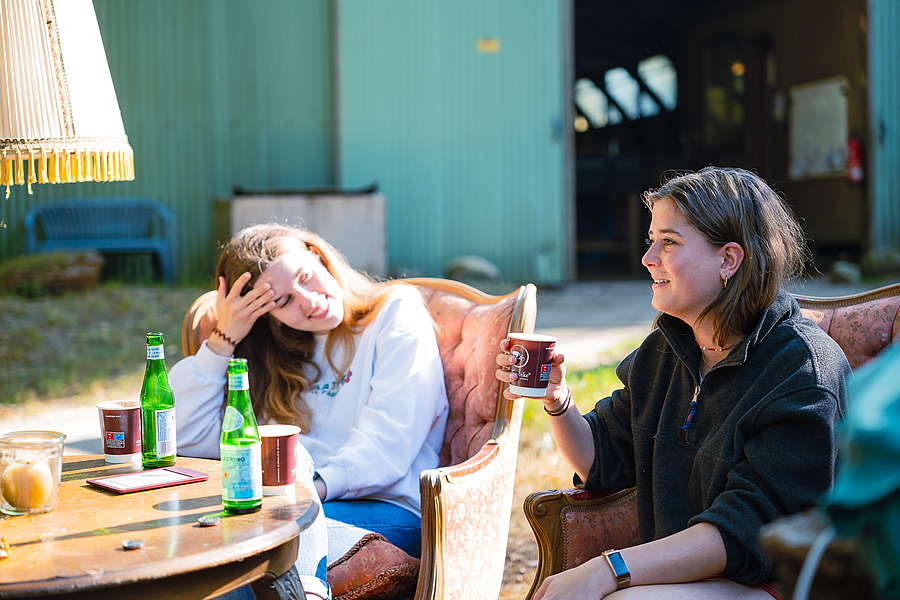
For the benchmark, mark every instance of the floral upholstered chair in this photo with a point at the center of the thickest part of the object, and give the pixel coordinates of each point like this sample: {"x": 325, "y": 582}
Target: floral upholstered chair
{"x": 467, "y": 501}
{"x": 573, "y": 526}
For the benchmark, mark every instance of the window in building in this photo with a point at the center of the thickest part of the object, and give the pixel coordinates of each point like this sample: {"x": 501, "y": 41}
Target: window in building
{"x": 657, "y": 73}
{"x": 591, "y": 102}
{"x": 624, "y": 90}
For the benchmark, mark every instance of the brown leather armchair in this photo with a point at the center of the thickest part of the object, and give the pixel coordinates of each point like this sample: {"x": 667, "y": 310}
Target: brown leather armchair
{"x": 572, "y": 526}
{"x": 467, "y": 501}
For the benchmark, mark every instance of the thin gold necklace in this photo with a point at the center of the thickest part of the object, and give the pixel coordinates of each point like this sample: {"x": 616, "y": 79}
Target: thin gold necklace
{"x": 703, "y": 358}
{"x": 713, "y": 348}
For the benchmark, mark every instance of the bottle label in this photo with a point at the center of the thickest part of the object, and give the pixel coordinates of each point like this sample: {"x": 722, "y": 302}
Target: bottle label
{"x": 238, "y": 381}
{"x": 233, "y": 419}
{"x": 165, "y": 432}
{"x": 156, "y": 352}
{"x": 241, "y": 471}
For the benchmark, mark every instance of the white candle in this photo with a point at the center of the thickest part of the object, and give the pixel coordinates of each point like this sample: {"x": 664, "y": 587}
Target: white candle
{"x": 27, "y": 484}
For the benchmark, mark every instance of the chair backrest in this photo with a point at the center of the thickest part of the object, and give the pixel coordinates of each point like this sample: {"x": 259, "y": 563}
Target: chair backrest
{"x": 862, "y": 324}
{"x": 198, "y": 323}
{"x": 469, "y": 327}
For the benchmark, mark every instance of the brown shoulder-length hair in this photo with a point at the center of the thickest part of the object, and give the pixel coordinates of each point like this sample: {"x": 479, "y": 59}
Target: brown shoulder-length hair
{"x": 280, "y": 358}
{"x": 735, "y": 205}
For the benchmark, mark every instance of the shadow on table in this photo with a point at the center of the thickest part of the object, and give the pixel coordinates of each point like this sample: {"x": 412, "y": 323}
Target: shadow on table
{"x": 93, "y": 467}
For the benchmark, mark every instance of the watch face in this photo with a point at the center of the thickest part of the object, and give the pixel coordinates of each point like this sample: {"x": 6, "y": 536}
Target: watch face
{"x": 618, "y": 564}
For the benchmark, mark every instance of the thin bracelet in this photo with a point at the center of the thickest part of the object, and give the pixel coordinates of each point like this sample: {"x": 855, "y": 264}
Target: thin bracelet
{"x": 224, "y": 337}
{"x": 566, "y": 405}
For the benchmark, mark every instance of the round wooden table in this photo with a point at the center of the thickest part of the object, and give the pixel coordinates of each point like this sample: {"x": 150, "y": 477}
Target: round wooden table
{"x": 76, "y": 549}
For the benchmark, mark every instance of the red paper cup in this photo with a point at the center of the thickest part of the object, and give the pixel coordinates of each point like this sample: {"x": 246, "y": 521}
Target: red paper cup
{"x": 280, "y": 444}
{"x": 534, "y": 353}
{"x": 120, "y": 430}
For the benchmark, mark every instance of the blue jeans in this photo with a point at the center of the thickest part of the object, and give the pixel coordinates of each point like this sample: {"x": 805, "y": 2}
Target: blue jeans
{"x": 348, "y": 520}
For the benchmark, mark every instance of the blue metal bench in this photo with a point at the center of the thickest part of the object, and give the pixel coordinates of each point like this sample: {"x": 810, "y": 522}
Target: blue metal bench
{"x": 122, "y": 224}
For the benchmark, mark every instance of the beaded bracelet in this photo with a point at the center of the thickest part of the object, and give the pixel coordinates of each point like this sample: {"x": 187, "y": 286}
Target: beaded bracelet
{"x": 566, "y": 406}
{"x": 224, "y": 337}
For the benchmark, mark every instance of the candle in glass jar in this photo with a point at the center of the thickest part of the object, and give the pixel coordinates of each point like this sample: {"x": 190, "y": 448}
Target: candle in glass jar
{"x": 27, "y": 484}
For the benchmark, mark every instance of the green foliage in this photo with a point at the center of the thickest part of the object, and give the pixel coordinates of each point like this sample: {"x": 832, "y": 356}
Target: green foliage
{"x": 53, "y": 347}
{"x": 38, "y": 275}
{"x": 29, "y": 289}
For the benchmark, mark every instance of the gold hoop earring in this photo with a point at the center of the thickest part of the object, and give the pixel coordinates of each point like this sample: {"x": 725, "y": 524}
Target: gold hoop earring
{"x": 725, "y": 283}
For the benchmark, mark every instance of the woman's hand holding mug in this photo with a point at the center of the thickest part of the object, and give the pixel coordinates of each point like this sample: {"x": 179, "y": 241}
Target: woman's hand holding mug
{"x": 532, "y": 367}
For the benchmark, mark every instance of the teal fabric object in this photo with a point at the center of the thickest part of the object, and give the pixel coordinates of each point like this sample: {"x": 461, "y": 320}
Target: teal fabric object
{"x": 865, "y": 504}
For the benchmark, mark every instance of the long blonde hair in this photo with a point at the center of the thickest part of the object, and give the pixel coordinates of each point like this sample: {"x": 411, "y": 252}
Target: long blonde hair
{"x": 280, "y": 358}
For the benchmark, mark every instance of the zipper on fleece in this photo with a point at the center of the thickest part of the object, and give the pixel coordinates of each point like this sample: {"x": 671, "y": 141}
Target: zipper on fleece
{"x": 690, "y": 417}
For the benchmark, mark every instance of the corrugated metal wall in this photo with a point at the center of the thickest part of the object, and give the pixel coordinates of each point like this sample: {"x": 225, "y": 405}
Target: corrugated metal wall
{"x": 884, "y": 95}
{"x": 214, "y": 94}
{"x": 456, "y": 110}
{"x": 465, "y": 140}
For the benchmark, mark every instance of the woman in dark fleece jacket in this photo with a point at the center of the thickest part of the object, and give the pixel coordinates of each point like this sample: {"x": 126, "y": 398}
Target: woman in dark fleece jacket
{"x": 726, "y": 418}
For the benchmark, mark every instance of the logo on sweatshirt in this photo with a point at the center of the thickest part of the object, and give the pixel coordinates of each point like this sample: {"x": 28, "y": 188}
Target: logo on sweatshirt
{"x": 332, "y": 388}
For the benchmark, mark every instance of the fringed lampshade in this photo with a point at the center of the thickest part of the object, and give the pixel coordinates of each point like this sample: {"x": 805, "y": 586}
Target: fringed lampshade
{"x": 59, "y": 118}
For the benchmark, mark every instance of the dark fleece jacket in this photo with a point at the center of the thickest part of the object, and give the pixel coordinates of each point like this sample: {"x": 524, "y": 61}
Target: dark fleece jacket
{"x": 760, "y": 443}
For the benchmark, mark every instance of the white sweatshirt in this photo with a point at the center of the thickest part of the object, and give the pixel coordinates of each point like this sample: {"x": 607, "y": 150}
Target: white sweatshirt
{"x": 373, "y": 431}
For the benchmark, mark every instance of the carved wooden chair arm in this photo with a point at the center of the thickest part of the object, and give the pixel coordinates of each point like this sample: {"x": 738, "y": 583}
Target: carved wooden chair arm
{"x": 573, "y": 526}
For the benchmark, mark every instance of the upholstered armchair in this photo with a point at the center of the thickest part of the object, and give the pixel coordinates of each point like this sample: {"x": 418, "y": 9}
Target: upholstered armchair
{"x": 572, "y": 526}
{"x": 467, "y": 501}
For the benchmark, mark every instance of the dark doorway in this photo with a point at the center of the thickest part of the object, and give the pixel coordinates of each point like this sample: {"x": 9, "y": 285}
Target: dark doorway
{"x": 657, "y": 91}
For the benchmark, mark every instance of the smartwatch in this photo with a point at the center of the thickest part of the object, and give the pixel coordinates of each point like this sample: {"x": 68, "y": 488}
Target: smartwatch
{"x": 619, "y": 568}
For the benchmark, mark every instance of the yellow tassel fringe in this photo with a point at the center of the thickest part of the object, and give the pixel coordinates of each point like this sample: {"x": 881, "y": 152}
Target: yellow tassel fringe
{"x": 65, "y": 167}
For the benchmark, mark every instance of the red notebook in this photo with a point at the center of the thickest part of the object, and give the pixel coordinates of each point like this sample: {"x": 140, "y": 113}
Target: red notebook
{"x": 148, "y": 480}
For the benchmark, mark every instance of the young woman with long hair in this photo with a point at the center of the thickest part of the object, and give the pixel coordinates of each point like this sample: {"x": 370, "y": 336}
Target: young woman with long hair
{"x": 351, "y": 360}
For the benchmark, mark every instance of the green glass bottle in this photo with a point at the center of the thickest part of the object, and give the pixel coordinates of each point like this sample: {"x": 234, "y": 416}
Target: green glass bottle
{"x": 157, "y": 408}
{"x": 240, "y": 447}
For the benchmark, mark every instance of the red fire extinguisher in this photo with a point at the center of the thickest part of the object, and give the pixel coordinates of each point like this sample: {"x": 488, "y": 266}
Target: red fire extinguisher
{"x": 854, "y": 160}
